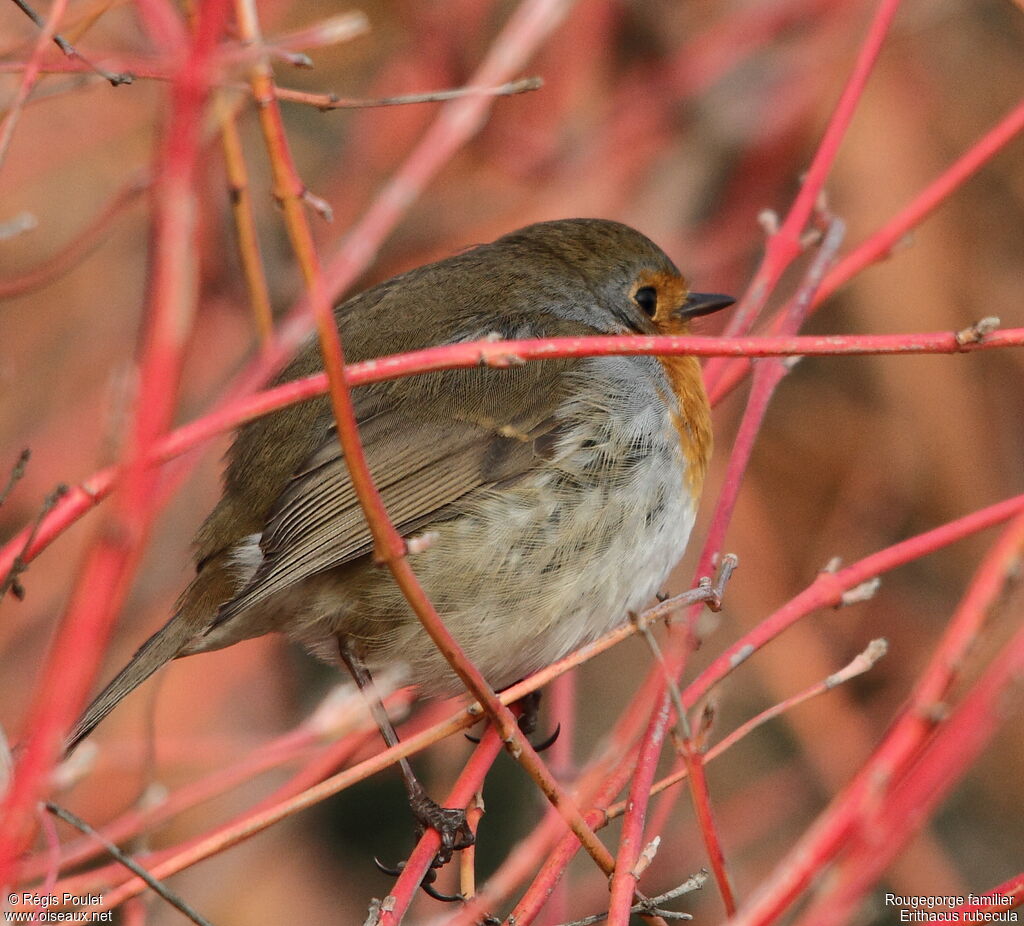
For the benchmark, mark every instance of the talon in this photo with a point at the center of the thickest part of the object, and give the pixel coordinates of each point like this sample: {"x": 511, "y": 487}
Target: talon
{"x": 475, "y": 740}
{"x": 437, "y": 895}
{"x": 428, "y": 879}
{"x": 550, "y": 741}
{"x": 388, "y": 870}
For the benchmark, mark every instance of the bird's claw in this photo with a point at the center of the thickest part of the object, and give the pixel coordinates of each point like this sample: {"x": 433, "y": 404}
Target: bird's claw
{"x": 449, "y": 822}
{"x": 539, "y": 747}
{"x": 451, "y": 826}
{"x": 529, "y": 711}
{"x": 426, "y": 883}
{"x": 550, "y": 741}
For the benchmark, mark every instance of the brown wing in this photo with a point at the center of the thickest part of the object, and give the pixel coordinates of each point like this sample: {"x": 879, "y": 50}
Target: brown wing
{"x": 448, "y": 436}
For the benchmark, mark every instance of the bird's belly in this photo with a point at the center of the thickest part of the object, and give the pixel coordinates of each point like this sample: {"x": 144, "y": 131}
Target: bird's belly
{"x": 525, "y": 575}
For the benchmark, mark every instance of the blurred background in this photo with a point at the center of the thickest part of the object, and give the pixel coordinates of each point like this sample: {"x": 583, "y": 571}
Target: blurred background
{"x": 686, "y": 121}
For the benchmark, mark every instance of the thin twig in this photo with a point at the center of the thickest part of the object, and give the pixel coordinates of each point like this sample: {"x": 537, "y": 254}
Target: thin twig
{"x": 625, "y": 876}
{"x": 246, "y": 237}
{"x": 859, "y": 665}
{"x": 329, "y": 101}
{"x": 467, "y": 861}
{"x": 65, "y": 46}
{"x": 17, "y": 472}
{"x": 652, "y": 905}
{"x": 158, "y": 886}
{"x": 11, "y": 578}
{"x": 627, "y": 862}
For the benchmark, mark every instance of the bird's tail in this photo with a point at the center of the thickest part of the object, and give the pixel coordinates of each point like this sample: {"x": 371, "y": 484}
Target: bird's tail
{"x": 159, "y": 649}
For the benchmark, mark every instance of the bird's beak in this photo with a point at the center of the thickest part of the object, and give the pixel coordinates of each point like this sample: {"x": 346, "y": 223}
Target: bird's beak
{"x": 702, "y": 304}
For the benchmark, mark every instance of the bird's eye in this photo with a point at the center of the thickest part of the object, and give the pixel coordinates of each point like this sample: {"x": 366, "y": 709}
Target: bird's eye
{"x": 647, "y": 298}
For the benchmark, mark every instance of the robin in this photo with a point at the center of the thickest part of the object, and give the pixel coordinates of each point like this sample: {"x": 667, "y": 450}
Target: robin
{"x": 558, "y": 494}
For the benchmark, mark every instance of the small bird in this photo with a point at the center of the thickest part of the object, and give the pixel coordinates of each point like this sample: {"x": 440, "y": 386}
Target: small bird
{"x": 557, "y": 494}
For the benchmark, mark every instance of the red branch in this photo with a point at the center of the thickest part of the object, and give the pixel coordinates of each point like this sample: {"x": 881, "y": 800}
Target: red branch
{"x": 625, "y": 876}
{"x": 767, "y": 376}
{"x": 722, "y": 377}
{"x": 829, "y": 834}
{"x": 470, "y": 781}
{"x": 1012, "y": 889}
{"x": 105, "y": 576}
{"x": 785, "y": 245}
{"x": 88, "y": 494}
{"x": 899, "y": 784}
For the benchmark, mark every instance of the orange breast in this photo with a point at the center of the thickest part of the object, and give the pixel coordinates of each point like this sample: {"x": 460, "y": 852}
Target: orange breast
{"x": 693, "y": 420}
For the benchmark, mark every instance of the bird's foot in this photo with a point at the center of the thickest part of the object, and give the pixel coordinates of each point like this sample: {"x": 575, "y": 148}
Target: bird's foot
{"x": 449, "y": 822}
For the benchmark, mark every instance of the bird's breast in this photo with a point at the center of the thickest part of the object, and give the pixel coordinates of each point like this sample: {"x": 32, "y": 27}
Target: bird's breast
{"x": 530, "y": 571}
{"x": 691, "y": 415}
